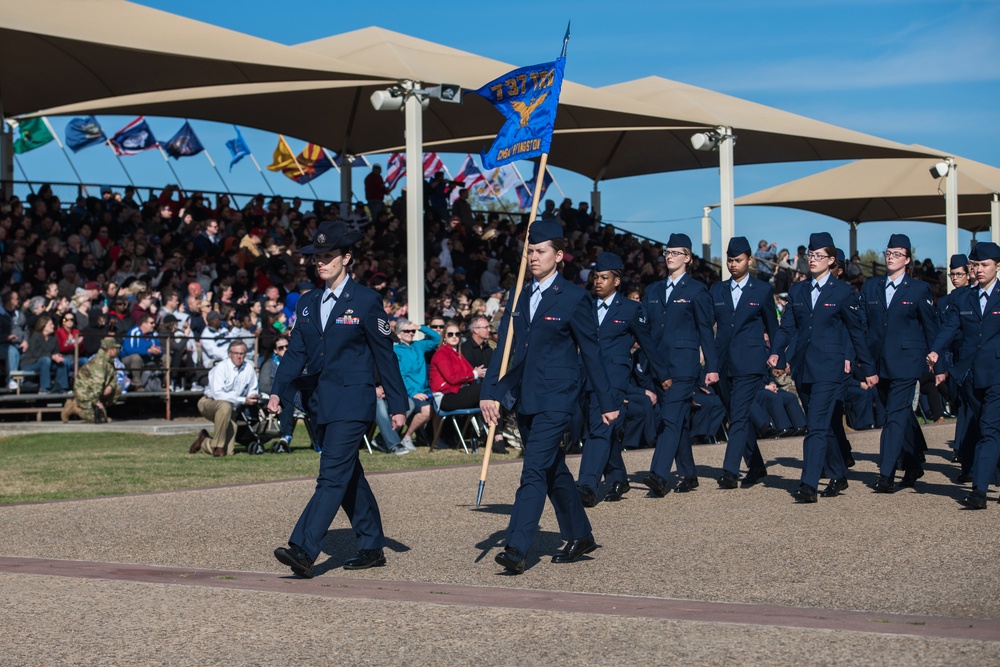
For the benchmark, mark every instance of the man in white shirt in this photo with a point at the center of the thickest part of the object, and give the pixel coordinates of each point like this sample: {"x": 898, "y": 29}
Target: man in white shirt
{"x": 214, "y": 340}
{"x": 231, "y": 383}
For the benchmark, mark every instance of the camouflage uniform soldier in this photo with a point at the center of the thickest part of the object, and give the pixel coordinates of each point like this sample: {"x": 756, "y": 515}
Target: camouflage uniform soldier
{"x": 96, "y": 386}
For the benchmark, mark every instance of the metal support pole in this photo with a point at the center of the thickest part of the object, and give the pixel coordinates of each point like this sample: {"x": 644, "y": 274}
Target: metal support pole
{"x": 854, "y": 240}
{"x": 414, "y": 205}
{"x": 706, "y": 234}
{"x": 595, "y": 201}
{"x": 346, "y": 185}
{"x": 995, "y": 218}
{"x": 951, "y": 212}
{"x": 6, "y": 161}
{"x": 727, "y": 208}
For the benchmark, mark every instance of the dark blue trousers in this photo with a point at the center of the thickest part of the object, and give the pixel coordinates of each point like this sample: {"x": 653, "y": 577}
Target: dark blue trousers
{"x": 602, "y": 450}
{"x": 985, "y": 466}
{"x": 738, "y": 394}
{"x": 341, "y": 483}
{"x": 896, "y": 397}
{"x": 640, "y": 421}
{"x": 544, "y": 473}
{"x": 967, "y": 435}
{"x": 674, "y": 440}
{"x": 819, "y": 450}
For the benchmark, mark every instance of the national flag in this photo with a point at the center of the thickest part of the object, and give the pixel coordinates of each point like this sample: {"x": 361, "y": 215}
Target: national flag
{"x": 526, "y": 190}
{"x": 395, "y": 170}
{"x": 183, "y": 144}
{"x": 432, "y": 164}
{"x": 134, "y": 138}
{"x": 314, "y": 162}
{"x": 469, "y": 177}
{"x": 84, "y": 132}
{"x": 529, "y": 98}
{"x": 283, "y": 157}
{"x": 359, "y": 161}
{"x": 498, "y": 183}
{"x": 238, "y": 148}
{"x": 34, "y": 133}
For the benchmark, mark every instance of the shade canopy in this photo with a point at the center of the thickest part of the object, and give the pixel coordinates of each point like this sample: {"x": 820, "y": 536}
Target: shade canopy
{"x": 58, "y": 52}
{"x": 885, "y": 190}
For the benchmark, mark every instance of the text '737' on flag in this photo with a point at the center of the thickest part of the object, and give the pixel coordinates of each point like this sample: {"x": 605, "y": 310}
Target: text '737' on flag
{"x": 529, "y": 98}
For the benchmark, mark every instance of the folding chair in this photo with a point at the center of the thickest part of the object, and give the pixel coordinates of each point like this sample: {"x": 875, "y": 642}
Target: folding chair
{"x": 452, "y": 416}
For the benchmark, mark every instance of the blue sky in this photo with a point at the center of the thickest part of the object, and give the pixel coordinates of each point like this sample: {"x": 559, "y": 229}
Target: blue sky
{"x": 912, "y": 71}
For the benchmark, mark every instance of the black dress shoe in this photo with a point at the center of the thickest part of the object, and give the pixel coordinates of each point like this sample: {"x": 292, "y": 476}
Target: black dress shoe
{"x": 511, "y": 559}
{"x": 910, "y": 478}
{"x": 849, "y": 461}
{"x": 587, "y": 496}
{"x": 955, "y": 458}
{"x": 975, "y": 500}
{"x": 753, "y": 476}
{"x": 963, "y": 478}
{"x": 656, "y": 484}
{"x": 805, "y": 494}
{"x": 615, "y": 493}
{"x": 834, "y": 488}
{"x": 366, "y": 558}
{"x": 296, "y": 558}
{"x": 574, "y": 549}
{"x": 728, "y": 480}
{"x": 786, "y": 432}
{"x": 768, "y": 432}
{"x": 883, "y": 485}
{"x": 687, "y": 484}
{"x": 802, "y": 430}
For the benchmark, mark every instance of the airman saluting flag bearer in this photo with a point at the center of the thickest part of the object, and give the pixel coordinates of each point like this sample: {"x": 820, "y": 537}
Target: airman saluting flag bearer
{"x": 621, "y": 323}
{"x": 976, "y": 315}
{"x": 341, "y": 336}
{"x": 901, "y": 326}
{"x": 744, "y": 314}
{"x": 819, "y": 312}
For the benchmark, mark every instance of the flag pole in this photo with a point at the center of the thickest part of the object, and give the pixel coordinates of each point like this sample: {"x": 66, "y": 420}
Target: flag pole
{"x": 262, "y": 174}
{"x": 219, "y": 174}
{"x": 299, "y": 167}
{"x": 522, "y": 269}
{"x": 24, "y": 173}
{"x": 555, "y": 182}
{"x": 107, "y": 141}
{"x": 171, "y": 167}
{"x": 63, "y": 148}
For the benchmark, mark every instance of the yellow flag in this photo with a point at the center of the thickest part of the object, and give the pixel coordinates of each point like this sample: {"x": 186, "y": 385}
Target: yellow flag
{"x": 283, "y": 157}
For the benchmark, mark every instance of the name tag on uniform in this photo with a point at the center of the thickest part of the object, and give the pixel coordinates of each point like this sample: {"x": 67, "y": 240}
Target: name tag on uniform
{"x": 347, "y": 320}
{"x": 552, "y": 319}
{"x": 719, "y": 303}
{"x": 966, "y": 312}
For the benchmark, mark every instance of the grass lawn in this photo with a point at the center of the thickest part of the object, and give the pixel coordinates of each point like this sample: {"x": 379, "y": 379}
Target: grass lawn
{"x": 62, "y": 465}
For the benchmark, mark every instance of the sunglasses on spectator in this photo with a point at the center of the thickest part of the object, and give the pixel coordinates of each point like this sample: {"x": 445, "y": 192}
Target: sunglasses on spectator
{"x": 437, "y": 326}
{"x": 408, "y": 331}
{"x": 279, "y": 348}
{"x": 452, "y": 334}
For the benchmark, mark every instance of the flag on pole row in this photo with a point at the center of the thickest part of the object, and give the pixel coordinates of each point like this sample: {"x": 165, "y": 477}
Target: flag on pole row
{"x": 84, "y": 132}
{"x": 359, "y": 161}
{"x": 184, "y": 144}
{"x": 528, "y": 97}
{"x": 33, "y": 133}
{"x": 395, "y": 170}
{"x": 134, "y": 138}
{"x": 497, "y": 183}
{"x": 469, "y": 176}
{"x": 526, "y": 190}
{"x": 311, "y": 162}
{"x": 432, "y": 164}
{"x": 238, "y": 148}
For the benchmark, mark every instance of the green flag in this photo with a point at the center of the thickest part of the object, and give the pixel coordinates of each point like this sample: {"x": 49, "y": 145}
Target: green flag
{"x": 34, "y": 134}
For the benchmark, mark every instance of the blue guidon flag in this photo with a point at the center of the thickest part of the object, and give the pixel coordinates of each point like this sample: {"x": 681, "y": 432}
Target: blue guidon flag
{"x": 528, "y": 97}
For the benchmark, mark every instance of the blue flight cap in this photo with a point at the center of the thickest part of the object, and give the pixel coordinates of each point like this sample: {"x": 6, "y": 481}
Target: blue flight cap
{"x": 841, "y": 257}
{"x": 958, "y": 262}
{"x": 332, "y": 236}
{"x": 609, "y": 261}
{"x": 545, "y": 230}
{"x": 899, "y": 241}
{"x": 738, "y": 245}
{"x": 820, "y": 240}
{"x": 985, "y": 250}
{"x": 679, "y": 241}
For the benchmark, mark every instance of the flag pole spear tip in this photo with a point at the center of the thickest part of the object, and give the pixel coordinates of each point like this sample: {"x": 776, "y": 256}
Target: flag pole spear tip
{"x": 565, "y": 40}
{"x": 479, "y": 494}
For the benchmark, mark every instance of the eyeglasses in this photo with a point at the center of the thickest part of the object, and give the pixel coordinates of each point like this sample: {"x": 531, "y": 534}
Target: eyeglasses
{"x": 408, "y": 331}
{"x": 674, "y": 253}
{"x": 816, "y": 255}
{"x": 957, "y": 274}
{"x": 437, "y": 326}
{"x": 281, "y": 348}
{"x": 892, "y": 254}
{"x": 452, "y": 334}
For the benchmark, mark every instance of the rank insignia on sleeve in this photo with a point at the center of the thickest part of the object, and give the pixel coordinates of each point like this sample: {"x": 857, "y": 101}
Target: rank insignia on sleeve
{"x": 383, "y": 327}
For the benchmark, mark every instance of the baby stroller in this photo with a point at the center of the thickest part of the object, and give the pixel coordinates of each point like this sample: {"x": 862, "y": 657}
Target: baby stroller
{"x": 255, "y": 427}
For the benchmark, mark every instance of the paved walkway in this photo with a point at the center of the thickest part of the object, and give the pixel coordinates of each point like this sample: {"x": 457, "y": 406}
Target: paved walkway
{"x": 711, "y": 577}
